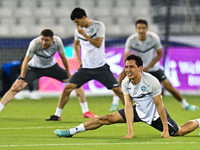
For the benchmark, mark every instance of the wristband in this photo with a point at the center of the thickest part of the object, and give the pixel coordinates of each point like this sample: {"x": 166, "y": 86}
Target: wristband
{"x": 20, "y": 78}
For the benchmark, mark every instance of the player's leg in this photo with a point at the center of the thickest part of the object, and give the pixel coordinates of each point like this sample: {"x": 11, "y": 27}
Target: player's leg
{"x": 115, "y": 102}
{"x": 92, "y": 124}
{"x": 75, "y": 81}
{"x": 188, "y": 127}
{"x": 11, "y": 93}
{"x": 83, "y": 102}
{"x": 31, "y": 75}
{"x": 107, "y": 78}
{"x": 176, "y": 94}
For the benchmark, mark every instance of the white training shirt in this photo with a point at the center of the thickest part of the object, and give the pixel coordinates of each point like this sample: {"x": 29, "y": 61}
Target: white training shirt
{"x": 142, "y": 94}
{"x": 145, "y": 49}
{"x": 92, "y": 57}
{"x": 44, "y": 58}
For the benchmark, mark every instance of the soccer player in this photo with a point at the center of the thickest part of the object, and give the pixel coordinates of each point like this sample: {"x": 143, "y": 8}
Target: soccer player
{"x": 90, "y": 36}
{"x": 39, "y": 61}
{"x": 145, "y": 90}
{"x": 148, "y": 46}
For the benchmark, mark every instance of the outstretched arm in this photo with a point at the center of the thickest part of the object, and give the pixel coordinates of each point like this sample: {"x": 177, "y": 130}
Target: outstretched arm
{"x": 65, "y": 63}
{"x": 129, "y": 115}
{"x": 162, "y": 114}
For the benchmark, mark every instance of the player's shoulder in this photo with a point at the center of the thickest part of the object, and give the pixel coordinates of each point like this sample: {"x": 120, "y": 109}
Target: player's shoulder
{"x": 132, "y": 36}
{"x": 152, "y": 34}
{"x": 57, "y": 39}
{"x": 98, "y": 24}
{"x": 149, "y": 79}
{"x": 125, "y": 81}
{"x": 36, "y": 41}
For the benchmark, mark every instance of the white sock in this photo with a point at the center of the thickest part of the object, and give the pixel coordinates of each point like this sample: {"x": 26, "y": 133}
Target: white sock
{"x": 84, "y": 107}
{"x": 58, "y": 112}
{"x": 1, "y": 107}
{"x": 184, "y": 103}
{"x": 198, "y": 121}
{"x": 79, "y": 128}
{"x": 115, "y": 100}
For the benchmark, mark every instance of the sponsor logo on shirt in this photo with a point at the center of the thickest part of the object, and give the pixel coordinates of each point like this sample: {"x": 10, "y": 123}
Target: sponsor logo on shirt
{"x": 143, "y": 88}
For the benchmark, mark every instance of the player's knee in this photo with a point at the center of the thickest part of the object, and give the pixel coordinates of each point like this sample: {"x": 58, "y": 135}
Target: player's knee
{"x": 15, "y": 89}
{"x": 106, "y": 119}
{"x": 67, "y": 90}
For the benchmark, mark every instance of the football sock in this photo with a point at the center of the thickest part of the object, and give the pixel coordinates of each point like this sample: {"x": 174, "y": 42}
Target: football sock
{"x": 184, "y": 103}
{"x": 84, "y": 107}
{"x": 58, "y": 112}
{"x": 79, "y": 128}
{"x": 115, "y": 100}
{"x": 198, "y": 121}
{"x": 1, "y": 107}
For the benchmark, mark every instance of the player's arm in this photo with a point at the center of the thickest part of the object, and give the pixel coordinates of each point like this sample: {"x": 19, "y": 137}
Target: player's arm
{"x": 155, "y": 60}
{"x": 65, "y": 63}
{"x": 24, "y": 66}
{"x": 77, "y": 51}
{"x": 161, "y": 111}
{"x": 129, "y": 115}
{"x": 96, "y": 42}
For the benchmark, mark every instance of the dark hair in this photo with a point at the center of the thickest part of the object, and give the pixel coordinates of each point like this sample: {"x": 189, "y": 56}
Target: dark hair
{"x": 142, "y": 21}
{"x": 138, "y": 59}
{"x": 78, "y": 13}
{"x": 47, "y": 32}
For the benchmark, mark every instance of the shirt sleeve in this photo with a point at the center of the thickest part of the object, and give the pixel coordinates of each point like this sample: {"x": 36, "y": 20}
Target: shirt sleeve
{"x": 128, "y": 44}
{"x": 75, "y": 35}
{"x": 125, "y": 87}
{"x": 156, "y": 88}
{"x": 61, "y": 48}
{"x": 158, "y": 43}
{"x": 31, "y": 49}
{"x": 101, "y": 30}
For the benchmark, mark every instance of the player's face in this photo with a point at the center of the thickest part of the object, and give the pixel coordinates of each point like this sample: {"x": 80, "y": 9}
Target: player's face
{"x": 80, "y": 22}
{"x": 45, "y": 41}
{"x": 132, "y": 70}
{"x": 141, "y": 29}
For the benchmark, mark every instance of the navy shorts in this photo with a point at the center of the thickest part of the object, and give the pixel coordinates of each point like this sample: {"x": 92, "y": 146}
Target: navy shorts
{"x": 160, "y": 75}
{"x": 157, "y": 124}
{"x": 55, "y": 72}
{"x": 101, "y": 74}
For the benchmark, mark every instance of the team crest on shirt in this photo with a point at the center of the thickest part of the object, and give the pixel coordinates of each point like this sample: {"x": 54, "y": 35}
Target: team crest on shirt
{"x": 91, "y": 30}
{"x": 53, "y": 49}
{"x": 143, "y": 88}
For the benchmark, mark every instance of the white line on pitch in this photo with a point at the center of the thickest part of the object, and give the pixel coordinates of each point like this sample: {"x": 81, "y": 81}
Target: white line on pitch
{"x": 83, "y": 144}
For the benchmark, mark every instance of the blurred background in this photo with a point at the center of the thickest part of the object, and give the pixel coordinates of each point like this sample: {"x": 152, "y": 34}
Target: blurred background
{"x": 177, "y": 22}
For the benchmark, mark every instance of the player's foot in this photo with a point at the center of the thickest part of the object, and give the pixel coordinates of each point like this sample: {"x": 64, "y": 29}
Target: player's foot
{"x": 54, "y": 118}
{"x": 114, "y": 107}
{"x": 89, "y": 114}
{"x": 34, "y": 96}
{"x": 191, "y": 108}
{"x": 19, "y": 96}
{"x": 62, "y": 133}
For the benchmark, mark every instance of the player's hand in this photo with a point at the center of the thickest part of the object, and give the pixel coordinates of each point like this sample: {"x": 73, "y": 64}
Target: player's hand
{"x": 18, "y": 85}
{"x": 80, "y": 30}
{"x": 128, "y": 136}
{"x": 165, "y": 135}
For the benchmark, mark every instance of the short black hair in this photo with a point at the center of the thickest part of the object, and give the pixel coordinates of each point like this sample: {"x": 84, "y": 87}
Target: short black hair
{"x": 142, "y": 21}
{"x": 138, "y": 59}
{"x": 78, "y": 13}
{"x": 47, "y": 32}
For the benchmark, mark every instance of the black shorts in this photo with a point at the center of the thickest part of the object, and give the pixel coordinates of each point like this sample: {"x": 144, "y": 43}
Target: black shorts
{"x": 160, "y": 75}
{"x": 101, "y": 74}
{"x": 157, "y": 124}
{"x": 55, "y": 72}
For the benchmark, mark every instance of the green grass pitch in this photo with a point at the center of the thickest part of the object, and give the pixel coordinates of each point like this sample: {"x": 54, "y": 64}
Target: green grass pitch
{"x": 23, "y": 127}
